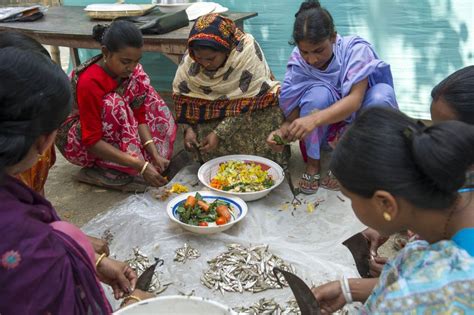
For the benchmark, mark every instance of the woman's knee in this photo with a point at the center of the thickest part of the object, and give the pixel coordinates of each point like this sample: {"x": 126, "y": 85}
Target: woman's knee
{"x": 381, "y": 94}
{"x": 316, "y": 98}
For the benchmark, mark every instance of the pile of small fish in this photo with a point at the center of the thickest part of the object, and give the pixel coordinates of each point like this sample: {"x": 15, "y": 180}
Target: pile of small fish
{"x": 186, "y": 252}
{"x": 140, "y": 263}
{"x": 270, "y": 307}
{"x": 244, "y": 269}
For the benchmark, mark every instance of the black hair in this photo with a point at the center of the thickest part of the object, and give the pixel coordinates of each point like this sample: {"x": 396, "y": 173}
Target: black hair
{"x": 457, "y": 90}
{"x": 22, "y": 41}
{"x": 35, "y": 98}
{"x": 118, "y": 35}
{"x": 387, "y": 150}
{"x": 313, "y": 23}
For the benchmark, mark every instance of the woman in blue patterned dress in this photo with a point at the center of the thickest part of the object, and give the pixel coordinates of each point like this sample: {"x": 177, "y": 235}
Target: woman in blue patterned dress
{"x": 402, "y": 175}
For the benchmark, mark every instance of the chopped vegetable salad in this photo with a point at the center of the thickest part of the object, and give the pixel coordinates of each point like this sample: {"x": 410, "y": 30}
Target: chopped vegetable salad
{"x": 241, "y": 176}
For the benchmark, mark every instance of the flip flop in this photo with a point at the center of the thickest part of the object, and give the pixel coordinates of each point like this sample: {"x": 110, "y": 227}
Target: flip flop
{"x": 311, "y": 179}
{"x": 330, "y": 177}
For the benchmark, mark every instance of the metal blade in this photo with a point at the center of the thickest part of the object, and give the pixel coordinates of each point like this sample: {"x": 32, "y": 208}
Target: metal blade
{"x": 144, "y": 281}
{"x": 198, "y": 153}
{"x": 359, "y": 247}
{"x": 303, "y": 294}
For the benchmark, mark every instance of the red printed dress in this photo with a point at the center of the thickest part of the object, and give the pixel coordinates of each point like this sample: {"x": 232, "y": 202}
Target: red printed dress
{"x": 105, "y": 110}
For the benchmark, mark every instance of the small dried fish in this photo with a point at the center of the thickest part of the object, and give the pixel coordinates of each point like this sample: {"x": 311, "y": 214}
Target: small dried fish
{"x": 186, "y": 252}
{"x": 140, "y": 263}
{"x": 244, "y": 269}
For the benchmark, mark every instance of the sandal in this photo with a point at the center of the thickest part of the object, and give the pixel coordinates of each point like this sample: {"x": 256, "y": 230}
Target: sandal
{"x": 328, "y": 179}
{"x": 110, "y": 179}
{"x": 313, "y": 183}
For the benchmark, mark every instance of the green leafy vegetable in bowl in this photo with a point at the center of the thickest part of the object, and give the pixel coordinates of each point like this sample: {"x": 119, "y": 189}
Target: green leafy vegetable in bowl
{"x": 196, "y": 211}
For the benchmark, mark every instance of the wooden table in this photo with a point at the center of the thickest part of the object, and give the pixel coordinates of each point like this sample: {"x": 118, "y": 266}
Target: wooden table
{"x": 69, "y": 26}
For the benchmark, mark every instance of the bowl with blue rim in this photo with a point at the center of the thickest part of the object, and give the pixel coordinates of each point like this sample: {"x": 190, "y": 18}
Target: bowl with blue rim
{"x": 191, "y": 218}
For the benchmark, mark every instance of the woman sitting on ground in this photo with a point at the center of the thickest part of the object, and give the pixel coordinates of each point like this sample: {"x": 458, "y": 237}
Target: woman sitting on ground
{"x": 120, "y": 127}
{"x": 47, "y": 266}
{"x": 401, "y": 175}
{"x": 225, "y": 93}
{"x": 329, "y": 80}
{"x": 452, "y": 99}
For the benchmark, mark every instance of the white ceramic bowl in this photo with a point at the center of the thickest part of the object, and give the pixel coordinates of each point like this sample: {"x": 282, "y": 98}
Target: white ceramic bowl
{"x": 169, "y": 8}
{"x": 177, "y": 305}
{"x": 209, "y": 169}
{"x": 239, "y": 211}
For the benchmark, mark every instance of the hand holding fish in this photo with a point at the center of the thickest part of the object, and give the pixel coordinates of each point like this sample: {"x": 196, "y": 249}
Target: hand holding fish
{"x": 118, "y": 275}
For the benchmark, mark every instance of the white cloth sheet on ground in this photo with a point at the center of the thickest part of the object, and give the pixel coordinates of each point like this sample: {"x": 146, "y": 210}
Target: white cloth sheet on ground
{"x": 312, "y": 242}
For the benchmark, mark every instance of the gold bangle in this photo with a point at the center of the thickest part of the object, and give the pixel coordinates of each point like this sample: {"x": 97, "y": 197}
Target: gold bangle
{"x": 100, "y": 259}
{"x": 147, "y": 143}
{"x": 144, "y": 167}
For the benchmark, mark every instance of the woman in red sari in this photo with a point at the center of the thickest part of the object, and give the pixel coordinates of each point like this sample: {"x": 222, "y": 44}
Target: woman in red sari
{"x": 120, "y": 127}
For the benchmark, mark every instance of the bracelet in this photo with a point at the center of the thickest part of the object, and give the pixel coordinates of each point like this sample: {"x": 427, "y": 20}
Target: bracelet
{"x": 346, "y": 290}
{"x": 100, "y": 259}
{"x": 130, "y": 297}
{"x": 147, "y": 143}
{"x": 144, "y": 167}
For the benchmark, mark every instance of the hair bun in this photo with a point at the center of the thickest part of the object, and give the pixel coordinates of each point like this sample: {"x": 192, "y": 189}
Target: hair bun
{"x": 442, "y": 156}
{"x": 308, "y": 5}
{"x": 98, "y": 32}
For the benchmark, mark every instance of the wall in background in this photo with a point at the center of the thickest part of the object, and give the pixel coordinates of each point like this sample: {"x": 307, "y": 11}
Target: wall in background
{"x": 423, "y": 40}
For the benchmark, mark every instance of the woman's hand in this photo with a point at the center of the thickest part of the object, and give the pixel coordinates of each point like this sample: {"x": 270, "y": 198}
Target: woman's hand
{"x": 330, "y": 297}
{"x": 118, "y": 275}
{"x": 100, "y": 246}
{"x": 153, "y": 177}
{"x": 271, "y": 142}
{"x": 190, "y": 138}
{"x": 210, "y": 143}
{"x": 375, "y": 241}
{"x": 160, "y": 163}
{"x": 301, "y": 127}
{"x": 142, "y": 295}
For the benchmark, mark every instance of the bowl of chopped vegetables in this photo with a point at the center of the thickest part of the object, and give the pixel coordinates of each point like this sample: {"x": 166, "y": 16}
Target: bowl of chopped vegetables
{"x": 245, "y": 176}
{"x": 206, "y": 212}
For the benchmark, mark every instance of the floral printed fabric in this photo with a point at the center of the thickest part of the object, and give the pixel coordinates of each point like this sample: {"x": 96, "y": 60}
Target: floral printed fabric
{"x": 120, "y": 127}
{"x": 425, "y": 279}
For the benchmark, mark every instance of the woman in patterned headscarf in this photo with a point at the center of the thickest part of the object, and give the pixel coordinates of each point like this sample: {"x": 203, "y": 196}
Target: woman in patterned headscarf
{"x": 223, "y": 90}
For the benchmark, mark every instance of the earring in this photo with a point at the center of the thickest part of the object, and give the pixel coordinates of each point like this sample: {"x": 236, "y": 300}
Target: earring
{"x": 387, "y": 216}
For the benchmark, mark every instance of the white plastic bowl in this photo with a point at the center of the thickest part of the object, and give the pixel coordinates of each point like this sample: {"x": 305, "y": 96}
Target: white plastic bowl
{"x": 208, "y": 170}
{"x": 177, "y": 305}
{"x": 239, "y": 209}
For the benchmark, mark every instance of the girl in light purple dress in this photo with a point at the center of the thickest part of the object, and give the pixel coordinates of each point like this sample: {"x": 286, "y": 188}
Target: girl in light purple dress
{"x": 329, "y": 80}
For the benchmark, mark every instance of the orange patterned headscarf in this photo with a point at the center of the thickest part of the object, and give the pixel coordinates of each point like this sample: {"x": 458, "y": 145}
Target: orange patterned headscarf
{"x": 215, "y": 31}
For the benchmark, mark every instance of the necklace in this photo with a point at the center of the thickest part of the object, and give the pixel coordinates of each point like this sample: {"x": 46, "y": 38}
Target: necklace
{"x": 451, "y": 212}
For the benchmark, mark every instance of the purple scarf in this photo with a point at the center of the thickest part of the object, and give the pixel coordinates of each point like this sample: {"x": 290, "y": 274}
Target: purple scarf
{"x": 354, "y": 60}
{"x": 42, "y": 271}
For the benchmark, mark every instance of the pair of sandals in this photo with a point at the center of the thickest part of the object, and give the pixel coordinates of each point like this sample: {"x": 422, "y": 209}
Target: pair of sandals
{"x": 313, "y": 183}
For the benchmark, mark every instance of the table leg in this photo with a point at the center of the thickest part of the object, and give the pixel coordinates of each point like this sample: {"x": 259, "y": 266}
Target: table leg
{"x": 74, "y": 52}
{"x": 55, "y": 54}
